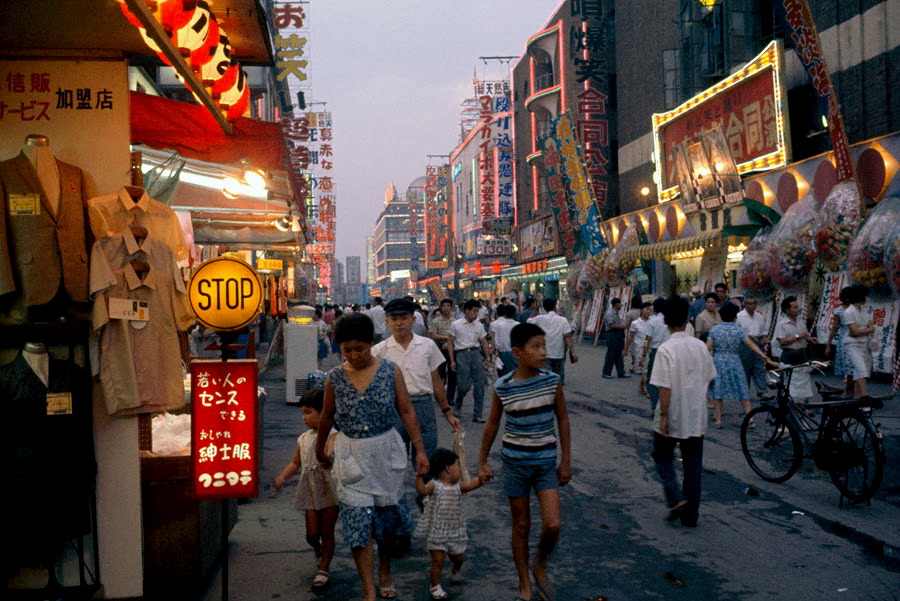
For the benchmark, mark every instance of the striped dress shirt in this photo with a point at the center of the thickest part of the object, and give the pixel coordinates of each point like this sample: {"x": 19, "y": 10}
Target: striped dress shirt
{"x": 530, "y": 407}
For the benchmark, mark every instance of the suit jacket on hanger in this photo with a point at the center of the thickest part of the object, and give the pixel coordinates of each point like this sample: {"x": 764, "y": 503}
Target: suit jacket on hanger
{"x": 41, "y": 247}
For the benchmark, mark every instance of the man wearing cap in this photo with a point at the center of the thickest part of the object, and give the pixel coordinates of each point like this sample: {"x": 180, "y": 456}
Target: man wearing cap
{"x": 418, "y": 358}
{"x": 697, "y": 303}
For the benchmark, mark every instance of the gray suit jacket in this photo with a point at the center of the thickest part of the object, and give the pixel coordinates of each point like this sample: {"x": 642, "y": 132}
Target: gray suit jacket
{"x": 39, "y": 250}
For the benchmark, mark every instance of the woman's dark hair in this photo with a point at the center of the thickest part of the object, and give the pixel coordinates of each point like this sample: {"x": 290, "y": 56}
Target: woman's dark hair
{"x": 857, "y": 294}
{"x": 355, "y": 326}
{"x": 676, "y": 312}
{"x": 844, "y": 295}
{"x": 728, "y": 312}
{"x": 659, "y": 304}
{"x": 786, "y": 303}
{"x": 440, "y": 460}
{"x": 711, "y": 295}
{"x": 313, "y": 399}
{"x": 636, "y": 301}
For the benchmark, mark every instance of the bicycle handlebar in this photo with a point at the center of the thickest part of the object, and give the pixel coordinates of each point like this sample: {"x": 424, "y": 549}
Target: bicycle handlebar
{"x": 813, "y": 364}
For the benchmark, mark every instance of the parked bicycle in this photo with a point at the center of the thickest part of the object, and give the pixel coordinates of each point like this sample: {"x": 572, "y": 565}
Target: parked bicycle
{"x": 777, "y": 436}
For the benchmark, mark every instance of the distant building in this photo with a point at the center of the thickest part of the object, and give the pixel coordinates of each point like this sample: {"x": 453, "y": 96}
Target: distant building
{"x": 370, "y": 261}
{"x": 398, "y": 242}
{"x": 338, "y": 289}
{"x": 354, "y": 280}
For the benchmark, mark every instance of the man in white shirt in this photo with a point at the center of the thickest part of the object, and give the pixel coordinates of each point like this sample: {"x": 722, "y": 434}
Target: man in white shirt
{"x": 657, "y": 333}
{"x": 755, "y": 326}
{"x": 682, "y": 371}
{"x": 469, "y": 357}
{"x": 376, "y": 314}
{"x": 557, "y": 337}
{"x": 418, "y": 359}
{"x": 791, "y": 333}
{"x": 615, "y": 341}
{"x": 500, "y": 329}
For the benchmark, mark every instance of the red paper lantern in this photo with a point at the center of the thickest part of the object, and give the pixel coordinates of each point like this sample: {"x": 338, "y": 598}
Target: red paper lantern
{"x": 176, "y": 14}
{"x": 193, "y": 36}
{"x": 240, "y": 106}
{"x": 204, "y": 55}
{"x": 219, "y": 63}
{"x": 227, "y": 81}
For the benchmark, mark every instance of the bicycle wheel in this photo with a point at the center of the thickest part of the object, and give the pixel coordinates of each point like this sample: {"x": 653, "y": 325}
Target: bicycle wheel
{"x": 856, "y": 455}
{"x": 773, "y": 448}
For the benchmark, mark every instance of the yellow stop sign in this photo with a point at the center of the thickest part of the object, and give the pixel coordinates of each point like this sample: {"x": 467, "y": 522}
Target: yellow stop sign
{"x": 225, "y": 293}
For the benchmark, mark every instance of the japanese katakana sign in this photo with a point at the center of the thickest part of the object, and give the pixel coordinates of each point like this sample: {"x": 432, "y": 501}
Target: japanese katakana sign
{"x": 224, "y": 429}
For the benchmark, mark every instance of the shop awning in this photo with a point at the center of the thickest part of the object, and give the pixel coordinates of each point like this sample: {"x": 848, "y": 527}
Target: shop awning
{"x": 190, "y": 130}
{"x": 665, "y": 250}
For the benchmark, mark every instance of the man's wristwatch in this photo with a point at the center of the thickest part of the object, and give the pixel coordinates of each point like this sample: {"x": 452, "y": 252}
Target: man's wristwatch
{"x": 445, "y": 410}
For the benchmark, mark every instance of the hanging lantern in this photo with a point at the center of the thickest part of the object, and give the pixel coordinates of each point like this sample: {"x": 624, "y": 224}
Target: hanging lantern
{"x": 154, "y": 47}
{"x": 227, "y": 81}
{"x": 193, "y": 36}
{"x": 218, "y": 64}
{"x": 204, "y": 54}
{"x": 175, "y": 15}
{"x": 234, "y": 102}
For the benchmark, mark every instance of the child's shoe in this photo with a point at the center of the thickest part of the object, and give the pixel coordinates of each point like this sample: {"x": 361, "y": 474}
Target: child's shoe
{"x": 437, "y": 592}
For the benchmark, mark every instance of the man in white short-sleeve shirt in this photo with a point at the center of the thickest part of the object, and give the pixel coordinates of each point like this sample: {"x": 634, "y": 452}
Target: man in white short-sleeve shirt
{"x": 557, "y": 336}
{"x": 469, "y": 357}
{"x": 418, "y": 359}
{"x": 500, "y": 336}
{"x": 376, "y": 314}
{"x": 754, "y": 326}
{"x": 682, "y": 371}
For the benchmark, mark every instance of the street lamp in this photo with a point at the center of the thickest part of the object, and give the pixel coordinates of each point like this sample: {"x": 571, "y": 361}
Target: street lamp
{"x": 645, "y": 191}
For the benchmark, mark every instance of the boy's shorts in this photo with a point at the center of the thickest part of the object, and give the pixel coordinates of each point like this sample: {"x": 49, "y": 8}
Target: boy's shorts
{"x": 519, "y": 479}
{"x": 450, "y": 548}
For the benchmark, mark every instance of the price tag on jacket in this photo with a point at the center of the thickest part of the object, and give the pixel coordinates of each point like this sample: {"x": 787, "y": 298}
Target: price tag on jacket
{"x": 129, "y": 309}
{"x": 24, "y": 204}
{"x": 59, "y": 403}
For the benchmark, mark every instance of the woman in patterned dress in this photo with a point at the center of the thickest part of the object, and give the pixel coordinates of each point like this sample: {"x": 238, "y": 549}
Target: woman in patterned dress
{"x": 837, "y": 333}
{"x": 363, "y": 397}
{"x": 723, "y": 341}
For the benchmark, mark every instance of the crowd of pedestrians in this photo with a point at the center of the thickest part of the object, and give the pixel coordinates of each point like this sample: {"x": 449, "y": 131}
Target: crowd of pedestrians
{"x": 402, "y": 364}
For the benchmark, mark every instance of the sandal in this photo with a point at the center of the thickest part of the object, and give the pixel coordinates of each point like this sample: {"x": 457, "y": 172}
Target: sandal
{"x": 321, "y": 579}
{"x": 387, "y": 592}
{"x": 438, "y": 593}
{"x": 545, "y": 591}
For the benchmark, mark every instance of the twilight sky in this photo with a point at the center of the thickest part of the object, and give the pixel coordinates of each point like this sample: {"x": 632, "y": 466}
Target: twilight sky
{"x": 394, "y": 73}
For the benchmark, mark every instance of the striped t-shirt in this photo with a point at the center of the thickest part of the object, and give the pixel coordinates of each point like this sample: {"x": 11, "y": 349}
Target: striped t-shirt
{"x": 530, "y": 407}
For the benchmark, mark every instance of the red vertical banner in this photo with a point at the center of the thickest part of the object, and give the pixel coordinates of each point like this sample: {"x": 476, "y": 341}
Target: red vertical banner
{"x": 224, "y": 429}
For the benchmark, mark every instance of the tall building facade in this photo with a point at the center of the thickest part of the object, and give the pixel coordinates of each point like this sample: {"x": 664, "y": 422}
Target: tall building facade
{"x": 398, "y": 247}
{"x": 354, "y": 280}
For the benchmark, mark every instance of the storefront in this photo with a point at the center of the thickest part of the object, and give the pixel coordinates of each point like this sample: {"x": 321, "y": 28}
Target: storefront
{"x": 93, "y": 312}
{"x": 543, "y": 278}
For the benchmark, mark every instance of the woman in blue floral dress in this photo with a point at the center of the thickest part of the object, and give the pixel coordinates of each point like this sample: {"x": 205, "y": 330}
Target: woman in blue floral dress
{"x": 724, "y": 340}
{"x": 363, "y": 397}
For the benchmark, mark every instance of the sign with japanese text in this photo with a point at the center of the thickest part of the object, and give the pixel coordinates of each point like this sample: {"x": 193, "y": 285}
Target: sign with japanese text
{"x": 291, "y": 22}
{"x": 437, "y": 216}
{"x": 589, "y": 51}
{"x": 797, "y": 21}
{"x": 225, "y": 293}
{"x": 537, "y": 238}
{"x": 495, "y": 164}
{"x": 883, "y": 313}
{"x": 224, "y": 429}
{"x": 569, "y": 236}
{"x": 747, "y": 105}
{"x": 581, "y": 202}
{"x": 493, "y": 245}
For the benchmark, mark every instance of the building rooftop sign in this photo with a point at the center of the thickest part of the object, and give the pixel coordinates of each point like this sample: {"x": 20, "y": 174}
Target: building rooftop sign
{"x": 750, "y": 107}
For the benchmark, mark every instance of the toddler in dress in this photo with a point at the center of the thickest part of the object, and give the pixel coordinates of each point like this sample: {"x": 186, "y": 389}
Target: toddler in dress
{"x": 442, "y": 522}
{"x": 315, "y": 491}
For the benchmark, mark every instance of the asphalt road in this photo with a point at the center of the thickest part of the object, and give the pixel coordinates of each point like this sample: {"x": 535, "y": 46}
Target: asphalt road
{"x": 791, "y": 542}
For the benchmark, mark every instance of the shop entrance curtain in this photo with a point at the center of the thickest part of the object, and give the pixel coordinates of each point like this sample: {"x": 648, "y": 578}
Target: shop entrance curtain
{"x": 191, "y": 131}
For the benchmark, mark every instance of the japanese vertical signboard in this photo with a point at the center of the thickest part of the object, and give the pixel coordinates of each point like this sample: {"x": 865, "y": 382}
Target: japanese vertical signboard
{"x": 588, "y": 48}
{"x": 224, "y": 429}
{"x": 581, "y": 203}
{"x": 798, "y": 23}
{"x": 504, "y": 205}
{"x": 486, "y": 162}
{"x": 437, "y": 216}
{"x": 569, "y": 235}
{"x": 747, "y": 105}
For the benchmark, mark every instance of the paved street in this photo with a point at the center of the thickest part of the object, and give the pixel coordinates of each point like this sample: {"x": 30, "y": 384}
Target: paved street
{"x": 790, "y": 542}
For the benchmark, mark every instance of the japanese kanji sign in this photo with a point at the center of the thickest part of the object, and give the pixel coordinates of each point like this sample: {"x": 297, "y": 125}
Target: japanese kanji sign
{"x": 582, "y": 207}
{"x": 797, "y": 20}
{"x": 224, "y": 429}
{"x": 437, "y": 216}
{"x": 748, "y": 105}
{"x": 569, "y": 234}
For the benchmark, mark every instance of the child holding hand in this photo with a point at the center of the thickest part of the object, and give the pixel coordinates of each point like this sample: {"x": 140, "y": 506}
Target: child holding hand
{"x": 442, "y": 522}
{"x": 315, "y": 491}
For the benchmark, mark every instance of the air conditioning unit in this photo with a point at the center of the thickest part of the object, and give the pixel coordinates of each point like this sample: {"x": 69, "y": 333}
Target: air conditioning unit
{"x": 300, "y": 346}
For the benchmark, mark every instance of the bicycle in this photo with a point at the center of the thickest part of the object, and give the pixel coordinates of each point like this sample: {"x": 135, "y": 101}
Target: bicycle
{"x": 848, "y": 445}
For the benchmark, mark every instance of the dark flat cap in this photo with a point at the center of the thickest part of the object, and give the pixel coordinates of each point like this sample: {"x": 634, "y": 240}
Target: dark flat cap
{"x": 399, "y": 306}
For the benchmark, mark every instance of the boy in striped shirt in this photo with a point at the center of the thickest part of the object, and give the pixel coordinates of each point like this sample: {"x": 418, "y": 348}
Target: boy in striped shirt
{"x": 532, "y": 398}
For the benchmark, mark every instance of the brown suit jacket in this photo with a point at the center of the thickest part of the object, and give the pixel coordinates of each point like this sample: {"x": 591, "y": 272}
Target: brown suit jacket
{"x": 36, "y": 251}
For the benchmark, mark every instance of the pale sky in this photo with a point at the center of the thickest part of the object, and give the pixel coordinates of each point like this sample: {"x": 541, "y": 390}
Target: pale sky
{"x": 394, "y": 74}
